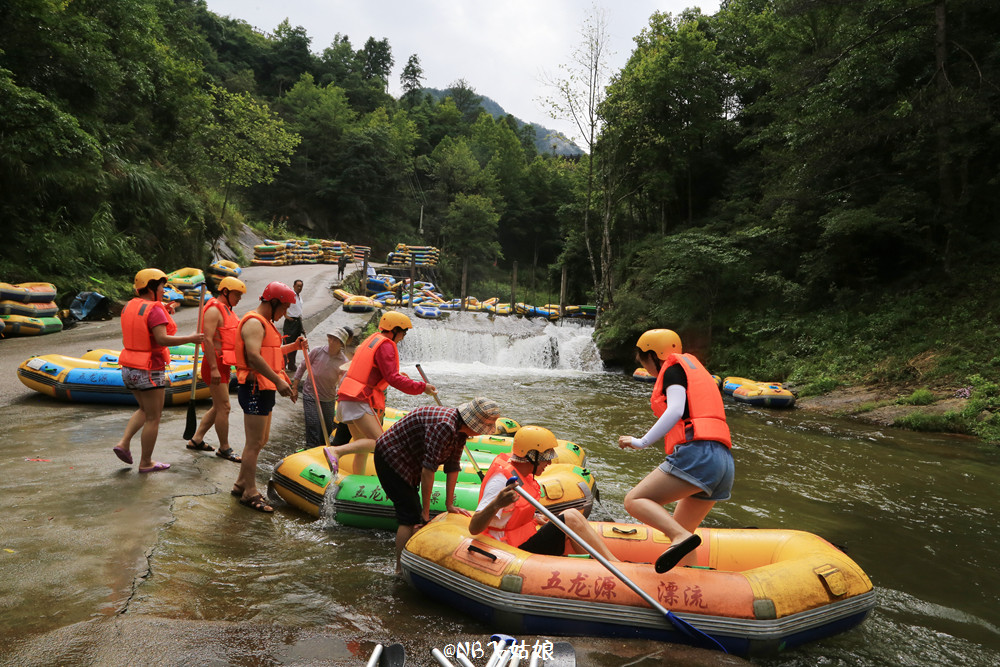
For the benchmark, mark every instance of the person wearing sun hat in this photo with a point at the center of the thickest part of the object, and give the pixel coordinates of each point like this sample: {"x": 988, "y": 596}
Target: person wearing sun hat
{"x": 326, "y": 362}
{"x": 506, "y": 516}
{"x": 408, "y": 454}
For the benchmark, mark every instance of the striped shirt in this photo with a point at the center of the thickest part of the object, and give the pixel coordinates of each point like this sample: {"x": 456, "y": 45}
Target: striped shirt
{"x": 424, "y": 439}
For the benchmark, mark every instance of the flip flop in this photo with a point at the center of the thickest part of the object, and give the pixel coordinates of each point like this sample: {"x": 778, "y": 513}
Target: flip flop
{"x": 156, "y": 467}
{"x": 200, "y": 446}
{"x": 229, "y": 455}
{"x": 257, "y": 503}
{"x": 332, "y": 460}
{"x": 122, "y": 454}
{"x": 669, "y": 558}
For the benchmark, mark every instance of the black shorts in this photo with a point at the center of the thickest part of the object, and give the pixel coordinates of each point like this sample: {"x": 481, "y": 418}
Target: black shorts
{"x": 404, "y": 496}
{"x": 254, "y": 400}
{"x": 547, "y": 541}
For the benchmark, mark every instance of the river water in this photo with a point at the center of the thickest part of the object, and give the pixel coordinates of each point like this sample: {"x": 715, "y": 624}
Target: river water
{"x": 103, "y": 566}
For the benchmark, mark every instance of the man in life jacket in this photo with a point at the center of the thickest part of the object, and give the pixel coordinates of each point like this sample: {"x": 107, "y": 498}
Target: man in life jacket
{"x": 219, "y": 325}
{"x": 508, "y": 517}
{"x": 259, "y": 357}
{"x": 147, "y": 332}
{"x": 361, "y": 395}
{"x": 699, "y": 469}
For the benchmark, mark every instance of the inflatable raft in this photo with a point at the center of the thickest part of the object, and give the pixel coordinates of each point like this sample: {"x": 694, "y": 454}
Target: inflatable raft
{"x": 29, "y": 309}
{"x": 98, "y": 379}
{"x": 28, "y": 292}
{"x": 754, "y": 591}
{"x": 767, "y": 395}
{"x": 20, "y": 325}
{"x": 303, "y": 480}
{"x": 360, "y": 304}
{"x": 642, "y": 375}
{"x": 186, "y": 278}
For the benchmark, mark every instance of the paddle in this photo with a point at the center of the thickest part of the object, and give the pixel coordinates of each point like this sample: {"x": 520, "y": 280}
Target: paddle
{"x": 682, "y": 626}
{"x": 467, "y": 452}
{"x": 192, "y": 419}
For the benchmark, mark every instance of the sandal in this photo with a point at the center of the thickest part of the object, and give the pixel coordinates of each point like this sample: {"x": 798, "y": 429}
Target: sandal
{"x": 257, "y": 503}
{"x": 229, "y": 455}
{"x": 669, "y": 558}
{"x": 200, "y": 446}
{"x": 236, "y": 491}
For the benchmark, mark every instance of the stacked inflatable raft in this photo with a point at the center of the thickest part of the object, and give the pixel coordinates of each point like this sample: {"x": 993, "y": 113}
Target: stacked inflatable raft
{"x": 421, "y": 255}
{"x": 303, "y": 480}
{"x": 754, "y": 591}
{"x": 28, "y": 309}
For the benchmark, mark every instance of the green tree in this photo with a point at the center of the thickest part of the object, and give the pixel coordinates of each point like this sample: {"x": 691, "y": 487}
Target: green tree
{"x": 411, "y": 80}
{"x": 245, "y": 142}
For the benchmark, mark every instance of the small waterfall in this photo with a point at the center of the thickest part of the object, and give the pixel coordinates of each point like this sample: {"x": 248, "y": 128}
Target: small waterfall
{"x": 505, "y": 342}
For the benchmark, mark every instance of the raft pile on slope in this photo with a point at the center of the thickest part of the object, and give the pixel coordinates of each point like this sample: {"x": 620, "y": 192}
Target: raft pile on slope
{"x": 28, "y": 309}
{"x": 302, "y": 251}
{"x": 421, "y": 255}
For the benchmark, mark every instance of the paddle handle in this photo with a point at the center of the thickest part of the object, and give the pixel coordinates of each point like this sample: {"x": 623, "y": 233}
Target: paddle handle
{"x": 467, "y": 452}
{"x": 201, "y": 320}
{"x": 424, "y": 376}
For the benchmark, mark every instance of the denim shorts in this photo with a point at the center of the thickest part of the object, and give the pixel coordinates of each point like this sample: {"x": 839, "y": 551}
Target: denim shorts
{"x": 256, "y": 401}
{"x": 141, "y": 379}
{"x": 706, "y": 464}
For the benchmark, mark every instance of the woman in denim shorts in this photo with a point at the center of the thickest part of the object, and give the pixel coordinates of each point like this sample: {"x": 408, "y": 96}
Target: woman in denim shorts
{"x": 147, "y": 332}
{"x": 698, "y": 470}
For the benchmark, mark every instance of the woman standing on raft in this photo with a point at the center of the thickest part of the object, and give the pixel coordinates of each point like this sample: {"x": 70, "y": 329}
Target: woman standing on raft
{"x": 147, "y": 332}
{"x": 698, "y": 470}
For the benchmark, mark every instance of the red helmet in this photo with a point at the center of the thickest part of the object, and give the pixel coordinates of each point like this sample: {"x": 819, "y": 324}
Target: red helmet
{"x": 279, "y": 291}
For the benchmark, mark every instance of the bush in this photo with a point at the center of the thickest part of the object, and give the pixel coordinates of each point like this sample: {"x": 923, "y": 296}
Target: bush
{"x": 919, "y": 397}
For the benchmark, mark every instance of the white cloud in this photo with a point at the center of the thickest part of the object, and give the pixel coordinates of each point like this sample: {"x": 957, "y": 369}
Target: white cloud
{"x": 500, "y": 48}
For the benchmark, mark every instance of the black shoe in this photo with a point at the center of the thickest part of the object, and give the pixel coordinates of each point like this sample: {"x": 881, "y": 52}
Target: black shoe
{"x": 669, "y": 558}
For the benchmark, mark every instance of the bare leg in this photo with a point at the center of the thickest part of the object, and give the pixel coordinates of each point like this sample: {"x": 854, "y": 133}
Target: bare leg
{"x": 257, "y": 429}
{"x": 220, "y": 415}
{"x": 151, "y": 404}
{"x": 646, "y": 503}
{"x": 579, "y": 525}
{"x": 367, "y": 430}
{"x": 135, "y": 423}
{"x": 403, "y": 535}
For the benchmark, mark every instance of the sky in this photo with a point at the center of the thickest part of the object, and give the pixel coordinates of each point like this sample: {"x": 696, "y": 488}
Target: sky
{"x": 504, "y": 49}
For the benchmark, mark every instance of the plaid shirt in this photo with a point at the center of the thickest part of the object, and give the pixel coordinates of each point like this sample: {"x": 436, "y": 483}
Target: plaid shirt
{"x": 424, "y": 438}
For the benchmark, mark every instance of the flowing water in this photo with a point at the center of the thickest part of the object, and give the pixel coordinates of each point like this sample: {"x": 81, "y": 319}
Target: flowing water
{"x": 221, "y": 585}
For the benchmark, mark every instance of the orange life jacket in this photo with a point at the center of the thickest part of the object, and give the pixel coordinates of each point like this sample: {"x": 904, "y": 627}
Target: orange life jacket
{"x": 521, "y": 524}
{"x": 706, "y": 414}
{"x": 225, "y": 333}
{"x": 270, "y": 350}
{"x": 356, "y": 384}
{"x": 140, "y": 348}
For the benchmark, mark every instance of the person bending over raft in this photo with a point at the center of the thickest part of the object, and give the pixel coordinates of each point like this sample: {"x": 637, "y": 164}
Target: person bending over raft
{"x": 260, "y": 365}
{"x": 698, "y": 470}
{"x": 220, "y": 354}
{"x": 361, "y": 395}
{"x": 508, "y": 517}
{"x": 147, "y": 332}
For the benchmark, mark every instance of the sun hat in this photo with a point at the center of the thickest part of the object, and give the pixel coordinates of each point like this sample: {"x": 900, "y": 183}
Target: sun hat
{"x": 480, "y": 414}
{"x": 340, "y": 333}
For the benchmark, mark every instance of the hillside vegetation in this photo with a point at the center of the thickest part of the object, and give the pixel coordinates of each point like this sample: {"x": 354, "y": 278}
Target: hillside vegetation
{"x": 805, "y": 189}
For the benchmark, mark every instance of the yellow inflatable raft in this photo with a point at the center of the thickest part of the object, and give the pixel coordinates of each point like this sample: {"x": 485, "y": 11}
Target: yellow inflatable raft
{"x": 754, "y": 591}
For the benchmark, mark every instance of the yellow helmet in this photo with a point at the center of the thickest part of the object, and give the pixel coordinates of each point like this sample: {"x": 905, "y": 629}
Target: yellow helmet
{"x": 144, "y": 277}
{"x": 533, "y": 439}
{"x": 393, "y": 319}
{"x": 663, "y": 342}
{"x": 232, "y": 284}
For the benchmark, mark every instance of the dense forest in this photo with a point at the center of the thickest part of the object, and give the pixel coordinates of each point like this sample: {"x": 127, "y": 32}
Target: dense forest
{"x": 807, "y": 190}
